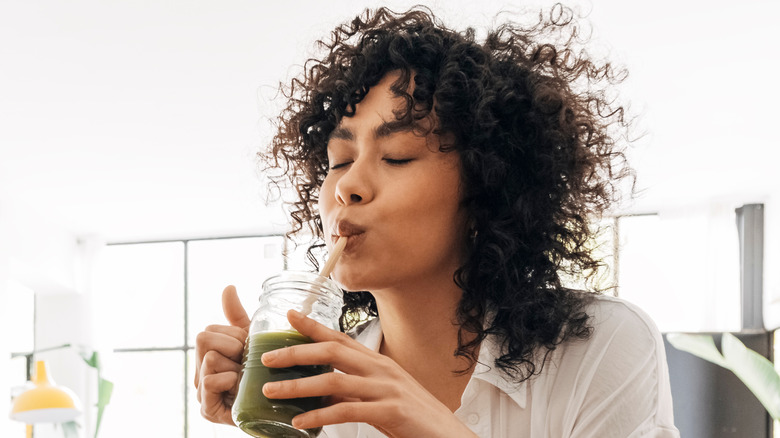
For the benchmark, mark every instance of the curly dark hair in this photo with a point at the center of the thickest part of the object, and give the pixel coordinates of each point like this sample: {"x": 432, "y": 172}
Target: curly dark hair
{"x": 538, "y": 137}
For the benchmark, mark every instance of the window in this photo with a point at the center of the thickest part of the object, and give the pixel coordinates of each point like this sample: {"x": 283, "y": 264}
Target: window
{"x": 683, "y": 269}
{"x": 151, "y": 301}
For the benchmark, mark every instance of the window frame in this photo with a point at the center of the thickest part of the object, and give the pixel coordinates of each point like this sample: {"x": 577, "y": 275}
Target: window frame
{"x": 185, "y": 347}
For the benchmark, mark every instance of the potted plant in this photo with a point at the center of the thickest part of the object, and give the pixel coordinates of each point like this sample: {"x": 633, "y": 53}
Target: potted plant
{"x": 753, "y": 369}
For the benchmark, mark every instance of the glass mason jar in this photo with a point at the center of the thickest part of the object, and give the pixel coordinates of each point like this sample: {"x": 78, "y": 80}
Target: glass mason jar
{"x": 309, "y": 293}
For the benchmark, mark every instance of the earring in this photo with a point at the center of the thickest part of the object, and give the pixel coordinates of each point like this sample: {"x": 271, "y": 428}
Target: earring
{"x": 473, "y": 233}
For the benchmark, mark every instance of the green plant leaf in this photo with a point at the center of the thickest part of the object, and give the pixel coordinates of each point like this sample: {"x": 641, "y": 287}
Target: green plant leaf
{"x": 70, "y": 429}
{"x": 105, "y": 388}
{"x": 93, "y": 360}
{"x": 755, "y": 371}
{"x": 702, "y": 346}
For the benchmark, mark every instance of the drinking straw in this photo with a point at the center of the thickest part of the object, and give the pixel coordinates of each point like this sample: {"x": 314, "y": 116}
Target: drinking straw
{"x": 306, "y": 306}
{"x": 334, "y": 256}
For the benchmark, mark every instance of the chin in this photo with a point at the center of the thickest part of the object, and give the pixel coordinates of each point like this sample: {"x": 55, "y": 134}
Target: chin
{"x": 349, "y": 286}
{"x": 351, "y": 281}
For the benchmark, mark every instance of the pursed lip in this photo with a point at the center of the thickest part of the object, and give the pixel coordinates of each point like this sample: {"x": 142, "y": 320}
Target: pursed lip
{"x": 345, "y": 228}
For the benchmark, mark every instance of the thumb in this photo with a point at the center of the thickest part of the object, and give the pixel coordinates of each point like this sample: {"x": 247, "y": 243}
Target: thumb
{"x": 232, "y": 308}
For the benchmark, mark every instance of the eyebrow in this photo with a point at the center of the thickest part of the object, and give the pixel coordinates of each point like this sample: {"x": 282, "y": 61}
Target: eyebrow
{"x": 385, "y": 129}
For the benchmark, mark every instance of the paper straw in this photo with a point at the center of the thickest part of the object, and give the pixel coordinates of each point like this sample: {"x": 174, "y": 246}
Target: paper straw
{"x": 306, "y": 306}
{"x": 334, "y": 256}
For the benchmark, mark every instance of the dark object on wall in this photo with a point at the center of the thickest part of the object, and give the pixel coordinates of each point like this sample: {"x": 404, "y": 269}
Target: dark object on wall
{"x": 750, "y": 225}
{"x": 710, "y": 401}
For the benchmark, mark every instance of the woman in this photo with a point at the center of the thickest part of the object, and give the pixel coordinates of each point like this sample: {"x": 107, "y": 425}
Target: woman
{"x": 466, "y": 177}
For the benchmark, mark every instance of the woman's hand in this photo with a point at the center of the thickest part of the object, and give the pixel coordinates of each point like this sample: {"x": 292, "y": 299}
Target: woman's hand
{"x": 218, "y": 352}
{"x": 371, "y": 388}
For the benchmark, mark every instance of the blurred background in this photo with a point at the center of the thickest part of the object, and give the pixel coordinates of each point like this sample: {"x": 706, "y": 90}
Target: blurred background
{"x": 130, "y": 195}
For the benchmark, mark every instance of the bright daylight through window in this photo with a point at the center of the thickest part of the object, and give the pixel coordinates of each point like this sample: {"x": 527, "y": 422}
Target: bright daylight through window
{"x": 151, "y": 301}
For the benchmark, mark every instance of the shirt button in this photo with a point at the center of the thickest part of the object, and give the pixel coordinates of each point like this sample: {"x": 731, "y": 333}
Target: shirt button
{"x": 473, "y": 419}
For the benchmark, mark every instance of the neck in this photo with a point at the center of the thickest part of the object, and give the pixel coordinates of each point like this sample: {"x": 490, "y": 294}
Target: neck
{"x": 420, "y": 333}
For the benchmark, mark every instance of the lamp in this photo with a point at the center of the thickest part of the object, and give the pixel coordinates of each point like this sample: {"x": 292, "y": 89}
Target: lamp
{"x": 45, "y": 402}
{"x": 57, "y": 408}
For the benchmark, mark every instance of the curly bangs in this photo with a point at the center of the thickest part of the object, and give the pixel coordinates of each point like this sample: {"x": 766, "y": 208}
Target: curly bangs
{"x": 530, "y": 116}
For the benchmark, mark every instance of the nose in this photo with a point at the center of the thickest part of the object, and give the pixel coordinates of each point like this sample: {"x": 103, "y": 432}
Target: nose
{"x": 355, "y": 186}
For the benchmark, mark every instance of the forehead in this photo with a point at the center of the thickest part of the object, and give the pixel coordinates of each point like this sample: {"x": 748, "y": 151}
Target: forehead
{"x": 379, "y": 104}
{"x": 384, "y": 112}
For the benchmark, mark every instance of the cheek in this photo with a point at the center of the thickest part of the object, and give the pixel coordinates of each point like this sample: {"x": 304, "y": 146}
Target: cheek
{"x": 325, "y": 197}
{"x": 437, "y": 214}
{"x": 449, "y": 212}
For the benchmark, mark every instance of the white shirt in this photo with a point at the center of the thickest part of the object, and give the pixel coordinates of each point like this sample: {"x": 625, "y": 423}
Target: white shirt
{"x": 614, "y": 384}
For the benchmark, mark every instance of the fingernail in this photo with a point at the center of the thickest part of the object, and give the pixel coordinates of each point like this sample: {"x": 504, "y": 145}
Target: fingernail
{"x": 268, "y": 356}
{"x": 296, "y": 313}
{"x": 270, "y": 387}
{"x": 296, "y": 423}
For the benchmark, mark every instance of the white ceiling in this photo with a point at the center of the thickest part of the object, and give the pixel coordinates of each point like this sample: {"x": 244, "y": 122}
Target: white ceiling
{"x": 140, "y": 120}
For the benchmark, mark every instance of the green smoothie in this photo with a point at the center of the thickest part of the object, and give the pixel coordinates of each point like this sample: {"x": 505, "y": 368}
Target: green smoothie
{"x": 260, "y": 416}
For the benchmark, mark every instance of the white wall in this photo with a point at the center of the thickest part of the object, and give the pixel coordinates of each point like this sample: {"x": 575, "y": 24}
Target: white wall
{"x": 39, "y": 254}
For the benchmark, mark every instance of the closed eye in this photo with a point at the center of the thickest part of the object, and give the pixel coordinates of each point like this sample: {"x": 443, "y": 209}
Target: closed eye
{"x": 340, "y": 165}
{"x": 395, "y": 162}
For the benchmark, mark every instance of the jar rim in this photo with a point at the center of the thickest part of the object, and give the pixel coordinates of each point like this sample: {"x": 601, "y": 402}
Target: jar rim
{"x": 327, "y": 286}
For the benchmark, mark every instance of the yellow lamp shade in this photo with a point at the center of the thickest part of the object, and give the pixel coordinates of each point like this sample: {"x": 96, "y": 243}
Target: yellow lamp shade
{"x": 45, "y": 402}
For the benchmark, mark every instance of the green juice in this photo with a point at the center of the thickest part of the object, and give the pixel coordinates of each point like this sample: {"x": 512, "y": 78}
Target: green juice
{"x": 260, "y": 416}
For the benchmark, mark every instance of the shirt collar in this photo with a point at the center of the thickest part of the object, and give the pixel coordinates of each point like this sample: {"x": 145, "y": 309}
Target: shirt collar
{"x": 370, "y": 335}
{"x": 488, "y": 372}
